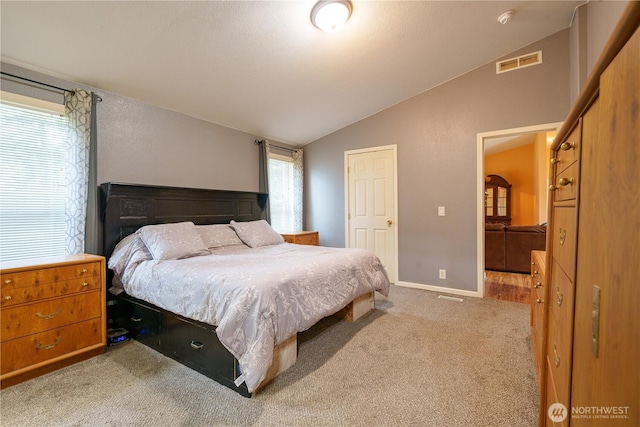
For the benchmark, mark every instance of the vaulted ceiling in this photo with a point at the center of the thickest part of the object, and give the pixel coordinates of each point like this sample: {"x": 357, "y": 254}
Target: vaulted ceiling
{"x": 261, "y": 66}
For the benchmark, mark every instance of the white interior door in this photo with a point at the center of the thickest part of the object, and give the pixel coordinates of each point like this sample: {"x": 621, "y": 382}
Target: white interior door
{"x": 371, "y": 213}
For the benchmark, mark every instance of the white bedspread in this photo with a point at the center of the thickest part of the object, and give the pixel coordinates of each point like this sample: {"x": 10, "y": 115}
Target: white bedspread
{"x": 258, "y": 297}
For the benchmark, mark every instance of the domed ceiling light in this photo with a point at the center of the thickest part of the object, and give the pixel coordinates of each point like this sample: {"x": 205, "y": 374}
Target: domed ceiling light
{"x": 331, "y": 15}
{"x": 505, "y": 17}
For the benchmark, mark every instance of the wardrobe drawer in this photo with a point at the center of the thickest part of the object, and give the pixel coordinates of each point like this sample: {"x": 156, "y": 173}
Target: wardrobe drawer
{"x": 560, "y": 302}
{"x": 199, "y": 347}
{"x": 559, "y": 357}
{"x": 569, "y": 151}
{"x": 551, "y": 398}
{"x": 12, "y": 295}
{"x": 564, "y": 238}
{"x": 565, "y": 184}
{"x": 23, "y": 352}
{"x": 33, "y": 318}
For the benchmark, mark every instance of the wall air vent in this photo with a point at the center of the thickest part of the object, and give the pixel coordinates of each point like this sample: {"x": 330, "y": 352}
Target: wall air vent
{"x": 511, "y": 64}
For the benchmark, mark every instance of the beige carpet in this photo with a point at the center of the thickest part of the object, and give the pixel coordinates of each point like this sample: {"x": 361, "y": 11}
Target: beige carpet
{"x": 415, "y": 361}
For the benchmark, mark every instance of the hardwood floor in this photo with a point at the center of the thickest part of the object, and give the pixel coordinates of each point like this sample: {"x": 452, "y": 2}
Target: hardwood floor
{"x": 507, "y": 286}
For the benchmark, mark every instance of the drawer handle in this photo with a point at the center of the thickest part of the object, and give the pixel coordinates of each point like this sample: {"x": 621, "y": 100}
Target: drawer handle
{"x": 566, "y": 146}
{"x": 85, "y": 284}
{"x": 554, "y": 160}
{"x": 49, "y": 316}
{"x": 538, "y": 285}
{"x": 7, "y": 282}
{"x": 48, "y": 346}
{"x": 539, "y": 301}
{"x": 84, "y": 270}
{"x": 555, "y": 354}
{"x": 7, "y": 298}
{"x": 565, "y": 181}
{"x": 136, "y": 319}
{"x": 196, "y": 345}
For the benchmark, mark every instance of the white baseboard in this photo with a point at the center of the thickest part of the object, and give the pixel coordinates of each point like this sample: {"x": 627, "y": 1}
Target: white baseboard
{"x": 441, "y": 289}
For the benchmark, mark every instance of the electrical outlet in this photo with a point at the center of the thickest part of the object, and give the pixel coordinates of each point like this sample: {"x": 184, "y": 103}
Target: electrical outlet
{"x": 440, "y": 210}
{"x": 442, "y": 273}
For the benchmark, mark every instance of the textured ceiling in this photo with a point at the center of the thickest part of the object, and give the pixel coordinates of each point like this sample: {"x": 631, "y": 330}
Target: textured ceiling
{"x": 261, "y": 66}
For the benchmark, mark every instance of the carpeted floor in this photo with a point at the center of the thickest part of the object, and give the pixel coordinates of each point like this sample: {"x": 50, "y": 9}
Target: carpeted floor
{"x": 415, "y": 361}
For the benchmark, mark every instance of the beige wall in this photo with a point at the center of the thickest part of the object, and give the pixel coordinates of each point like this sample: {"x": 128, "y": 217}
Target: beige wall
{"x": 517, "y": 166}
{"x": 541, "y": 148}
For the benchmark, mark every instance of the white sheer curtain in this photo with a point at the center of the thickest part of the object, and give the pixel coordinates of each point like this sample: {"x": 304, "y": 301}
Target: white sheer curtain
{"x": 78, "y": 114}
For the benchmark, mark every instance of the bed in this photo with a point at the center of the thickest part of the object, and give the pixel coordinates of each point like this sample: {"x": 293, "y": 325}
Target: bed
{"x": 228, "y": 309}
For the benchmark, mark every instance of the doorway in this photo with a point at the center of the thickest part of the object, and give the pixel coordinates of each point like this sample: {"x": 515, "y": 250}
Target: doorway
{"x": 489, "y": 139}
{"x": 371, "y": 203}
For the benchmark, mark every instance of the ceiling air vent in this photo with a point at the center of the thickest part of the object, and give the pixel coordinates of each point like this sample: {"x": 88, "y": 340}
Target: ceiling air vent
{"x": 511, "y": 64}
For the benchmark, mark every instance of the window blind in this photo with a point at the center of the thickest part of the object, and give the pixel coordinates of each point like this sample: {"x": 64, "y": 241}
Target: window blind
{"x": 32, "y": 183}
{"x": 281, "y": 193}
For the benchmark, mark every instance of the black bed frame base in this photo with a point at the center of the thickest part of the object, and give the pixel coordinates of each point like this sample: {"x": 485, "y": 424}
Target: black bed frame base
{"x": 124, "y": 209}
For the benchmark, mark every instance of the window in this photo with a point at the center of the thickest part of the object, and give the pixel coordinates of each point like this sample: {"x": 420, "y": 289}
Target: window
{"x": 281, "y": 193}
{"x": 32, "y": 186}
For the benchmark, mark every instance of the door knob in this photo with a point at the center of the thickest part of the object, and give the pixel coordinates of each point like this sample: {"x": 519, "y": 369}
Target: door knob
{"x": 389, "y": 222}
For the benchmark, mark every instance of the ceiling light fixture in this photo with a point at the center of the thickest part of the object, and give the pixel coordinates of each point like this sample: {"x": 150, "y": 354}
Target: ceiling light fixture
{"x": 331, "y": 15}
{"x": 505, "y": 17}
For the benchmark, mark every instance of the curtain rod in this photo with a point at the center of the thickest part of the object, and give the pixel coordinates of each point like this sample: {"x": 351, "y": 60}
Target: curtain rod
{"x": 36, "y": 82}
{"x": 99, "y": 98}
{"x": 260, "y": 141}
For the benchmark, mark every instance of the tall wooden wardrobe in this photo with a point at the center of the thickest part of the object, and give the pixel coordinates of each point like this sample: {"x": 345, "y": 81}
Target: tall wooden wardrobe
{"x": 590, "y": 361}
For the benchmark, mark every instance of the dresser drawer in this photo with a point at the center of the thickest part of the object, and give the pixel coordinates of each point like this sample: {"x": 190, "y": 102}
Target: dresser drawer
{"x": 12, "y": 295}
{"x": 559, "y": 356}
{"x": 569, "y": 151}
{"x": 38, "y": 277}
{"x": 303, "y": 238}
{"x": 565, "y": 184}
{"x": 23, "y": 352}
{"x": 564, "y": 238}
{"x": 33, "y": 318}
{"x": 307, "y": 239}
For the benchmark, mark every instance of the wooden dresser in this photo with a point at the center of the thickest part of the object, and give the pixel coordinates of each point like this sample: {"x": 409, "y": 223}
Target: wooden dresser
{"x": 303, "y": 238}
{"x": 591, "y": 375}
{"x": 52, "y": 314}
{"x": 538, "y": 308}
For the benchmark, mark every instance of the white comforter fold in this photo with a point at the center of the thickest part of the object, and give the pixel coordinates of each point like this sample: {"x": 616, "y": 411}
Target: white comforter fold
{"x": 258, "y": 297}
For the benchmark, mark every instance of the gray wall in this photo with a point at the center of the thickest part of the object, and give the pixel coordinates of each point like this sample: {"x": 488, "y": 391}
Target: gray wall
{"x": 436, "y": 135}
{"x": 143, "y": 144}
{"x": 592, "y": 26}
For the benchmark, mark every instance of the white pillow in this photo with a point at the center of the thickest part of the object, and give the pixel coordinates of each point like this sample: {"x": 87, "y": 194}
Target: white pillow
{"x": 256, "y": 233}
{"x": 218, "y": 235}
{"x": 130, "y": 250}
{"x": 173, "y": 241}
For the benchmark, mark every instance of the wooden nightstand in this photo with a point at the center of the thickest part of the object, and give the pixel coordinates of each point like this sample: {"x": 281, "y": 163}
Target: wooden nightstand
{"x": 53, "y": 314}
{"x": 303, "y": 238}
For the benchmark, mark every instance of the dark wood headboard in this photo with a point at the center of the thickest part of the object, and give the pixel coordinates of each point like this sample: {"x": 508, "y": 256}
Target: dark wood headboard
{"x": 128, "y": 207}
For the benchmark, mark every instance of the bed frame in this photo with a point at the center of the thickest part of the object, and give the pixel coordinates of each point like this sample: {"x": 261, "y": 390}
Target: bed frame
{"x": 127, "y": 207}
